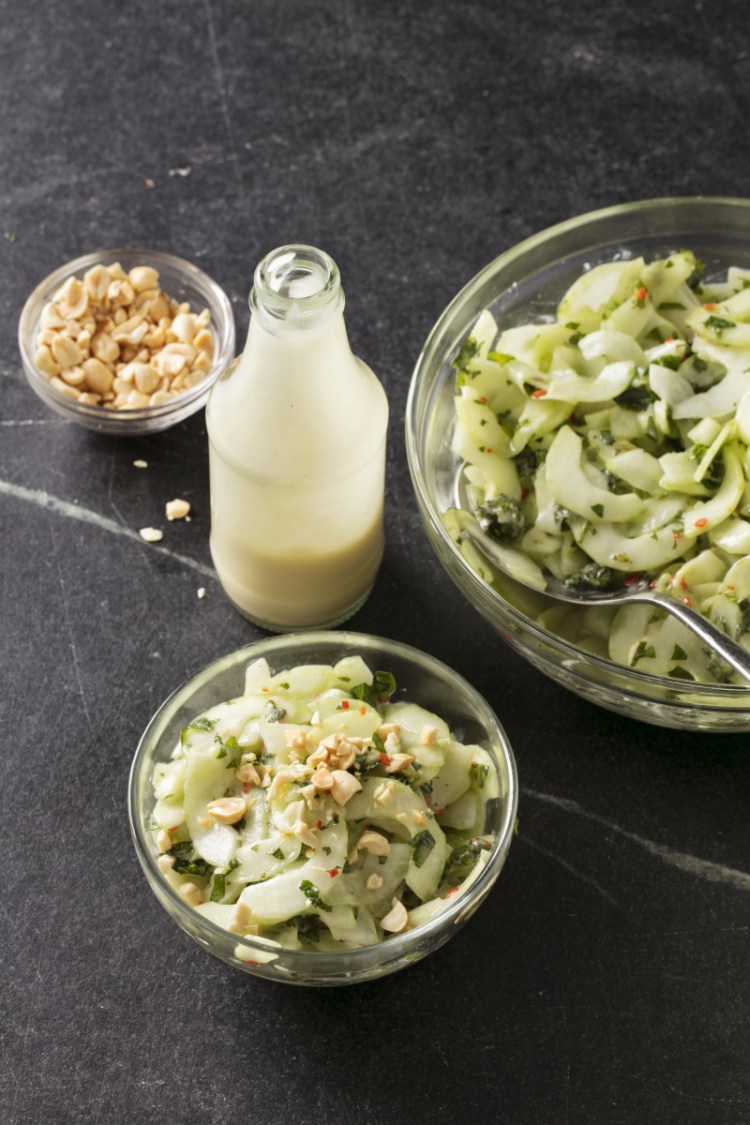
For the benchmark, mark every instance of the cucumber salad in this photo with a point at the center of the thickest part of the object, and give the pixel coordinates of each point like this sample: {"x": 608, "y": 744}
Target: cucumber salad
{"x": 316, "y": 813}
{"x": 613, "y": 440}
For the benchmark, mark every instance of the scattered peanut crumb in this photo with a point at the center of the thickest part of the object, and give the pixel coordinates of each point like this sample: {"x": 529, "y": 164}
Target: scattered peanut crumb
{"x": 139, "y": 464}
{"x": 177, "y": 509}
{"x": 201, "y": 591}
{"x": 151, "y": 534}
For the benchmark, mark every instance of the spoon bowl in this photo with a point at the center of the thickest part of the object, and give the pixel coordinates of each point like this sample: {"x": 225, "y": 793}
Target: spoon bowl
{"x": 633, "y": 588}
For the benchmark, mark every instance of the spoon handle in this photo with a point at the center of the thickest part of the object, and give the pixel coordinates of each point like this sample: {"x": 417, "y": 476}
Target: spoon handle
{"x": 729, "y": 651}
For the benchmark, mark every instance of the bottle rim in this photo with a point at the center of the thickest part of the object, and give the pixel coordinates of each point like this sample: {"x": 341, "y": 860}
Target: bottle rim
{"x": 297, "y": 284}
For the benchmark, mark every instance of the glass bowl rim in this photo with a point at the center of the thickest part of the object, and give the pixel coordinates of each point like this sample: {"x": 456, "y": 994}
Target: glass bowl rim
{"x": 225, "y": 333}
{"x": 398, "y": 943}
{"x": 506, "y": 258}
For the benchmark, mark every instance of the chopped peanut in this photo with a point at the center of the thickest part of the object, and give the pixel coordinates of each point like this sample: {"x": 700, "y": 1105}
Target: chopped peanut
{"x": 227, "y": 810}
{"x": 374, "y": 843}
{"x": 192, "y": 893}
{"x": 396, "y": 918}
{"x": 399, "y": 763}
{"x": 95, "y": 325}
{"x": 345, "y": 785}
{"x": 240, "y": 919}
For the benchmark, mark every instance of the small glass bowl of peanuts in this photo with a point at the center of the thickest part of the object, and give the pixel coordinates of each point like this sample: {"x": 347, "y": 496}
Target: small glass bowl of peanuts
{"x": 126, "y": 341}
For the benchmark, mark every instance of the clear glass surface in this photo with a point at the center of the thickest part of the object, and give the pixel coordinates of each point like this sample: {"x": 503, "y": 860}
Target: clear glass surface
{"x": 178, "y": 278}
{"x": 525, "y": 284}
{"x": 421, "y": 679}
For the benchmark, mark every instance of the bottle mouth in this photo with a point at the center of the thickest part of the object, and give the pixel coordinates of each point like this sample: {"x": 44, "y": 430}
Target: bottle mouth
{"x": 296, "y": 283}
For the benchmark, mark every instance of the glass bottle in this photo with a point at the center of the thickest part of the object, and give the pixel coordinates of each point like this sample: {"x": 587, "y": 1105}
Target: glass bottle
{"x": 297, "y": 431}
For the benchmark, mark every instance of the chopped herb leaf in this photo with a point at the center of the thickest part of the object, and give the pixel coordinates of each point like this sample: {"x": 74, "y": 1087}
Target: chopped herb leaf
{"x": 202, "y": 723}
{"x": 217, "y": 889}
{"x": 719, "y": 323}
{"x": 307, "y": 926}
{"x": 598, "y": 510}
{"x": 591, "y": 576}
{"x": 272, "y": 713}
{"x": 186, "y": 860}
{"x": 277, "y": 853}
{"x": 313, "y": 896}
{"x": 679, "y": 653}
{"x": 231, "y": 748}
{"x": 502, "y": 518}
{"x": 643, "y": 648}
{"x": 382, "y": 687}
{"x": 480, "y": 771}
{"x": 468, "y": 351}
{"x": 422, "y": 843}
{"x": 670, "y": 361}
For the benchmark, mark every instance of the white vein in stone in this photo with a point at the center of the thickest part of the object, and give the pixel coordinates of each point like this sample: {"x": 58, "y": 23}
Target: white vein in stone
{"x": 32, "y": 422}
{"x": 690, "y": 864}
{"x": 85, "y": 515}
{"x": 571, "y": 869}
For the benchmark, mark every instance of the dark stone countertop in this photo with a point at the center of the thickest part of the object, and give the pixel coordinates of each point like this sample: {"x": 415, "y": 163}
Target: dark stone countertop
{"x": 605, "y": 980}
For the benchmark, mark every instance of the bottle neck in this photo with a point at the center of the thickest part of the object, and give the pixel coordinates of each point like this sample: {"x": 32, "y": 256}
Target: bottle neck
{"x": 296, "y": 288}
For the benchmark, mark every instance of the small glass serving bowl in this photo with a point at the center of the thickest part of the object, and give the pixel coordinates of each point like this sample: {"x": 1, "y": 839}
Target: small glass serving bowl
{"x": 180, "y": 280}
{"x": 525, "y": 284}
{"x": 419, "y": 678}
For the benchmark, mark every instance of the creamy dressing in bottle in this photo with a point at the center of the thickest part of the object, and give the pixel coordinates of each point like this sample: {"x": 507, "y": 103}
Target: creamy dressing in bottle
{"x": 297, "y": 431}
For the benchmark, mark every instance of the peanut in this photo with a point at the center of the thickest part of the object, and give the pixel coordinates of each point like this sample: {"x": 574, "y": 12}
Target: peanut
{"x": 117, "y": 340}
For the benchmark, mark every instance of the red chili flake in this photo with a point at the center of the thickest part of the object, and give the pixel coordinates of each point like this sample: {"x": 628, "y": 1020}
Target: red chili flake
{"x": 687, "y": 601}
{"x": 344, "y": 704}
{"x": 630, "y": 580}
{"x": 710, "y": 306}
{"x": 729, "y": 587}
{"x": 318, "y": 823}
{"x": 453, "y": 891}
{"x": 482, "y": 399}
{"x": 669, "y": 339}
{"x": 701, "y": 522}
{"x": 245, "y": 786}
{"x": 385, "y": 759}
{"x": 683, "y": 584}
{"x": 574, "y": 418}
{"x": 641, "y": 293}
{"x": 266, "y": 689}
{"x": 677, "y": 534}
{"x": 440, "y": 812}
{"x": 363, "y": 710}
{"x": 652, "y": 584}
{"x": 525, "y": 494}
{"x": 175, "y": 828}
{"x": 538, "y": 394}
{"x": 333, "y": 872}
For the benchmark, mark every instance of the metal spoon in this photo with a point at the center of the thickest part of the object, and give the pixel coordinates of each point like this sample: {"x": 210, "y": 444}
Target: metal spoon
{"x": 636, "y": 590}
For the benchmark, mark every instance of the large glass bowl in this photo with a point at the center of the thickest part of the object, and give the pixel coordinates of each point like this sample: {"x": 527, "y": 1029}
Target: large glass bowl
{"x": 421, "y": 679}
{"x": 181, "y": 280}
{"x": 525, "y": 284}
